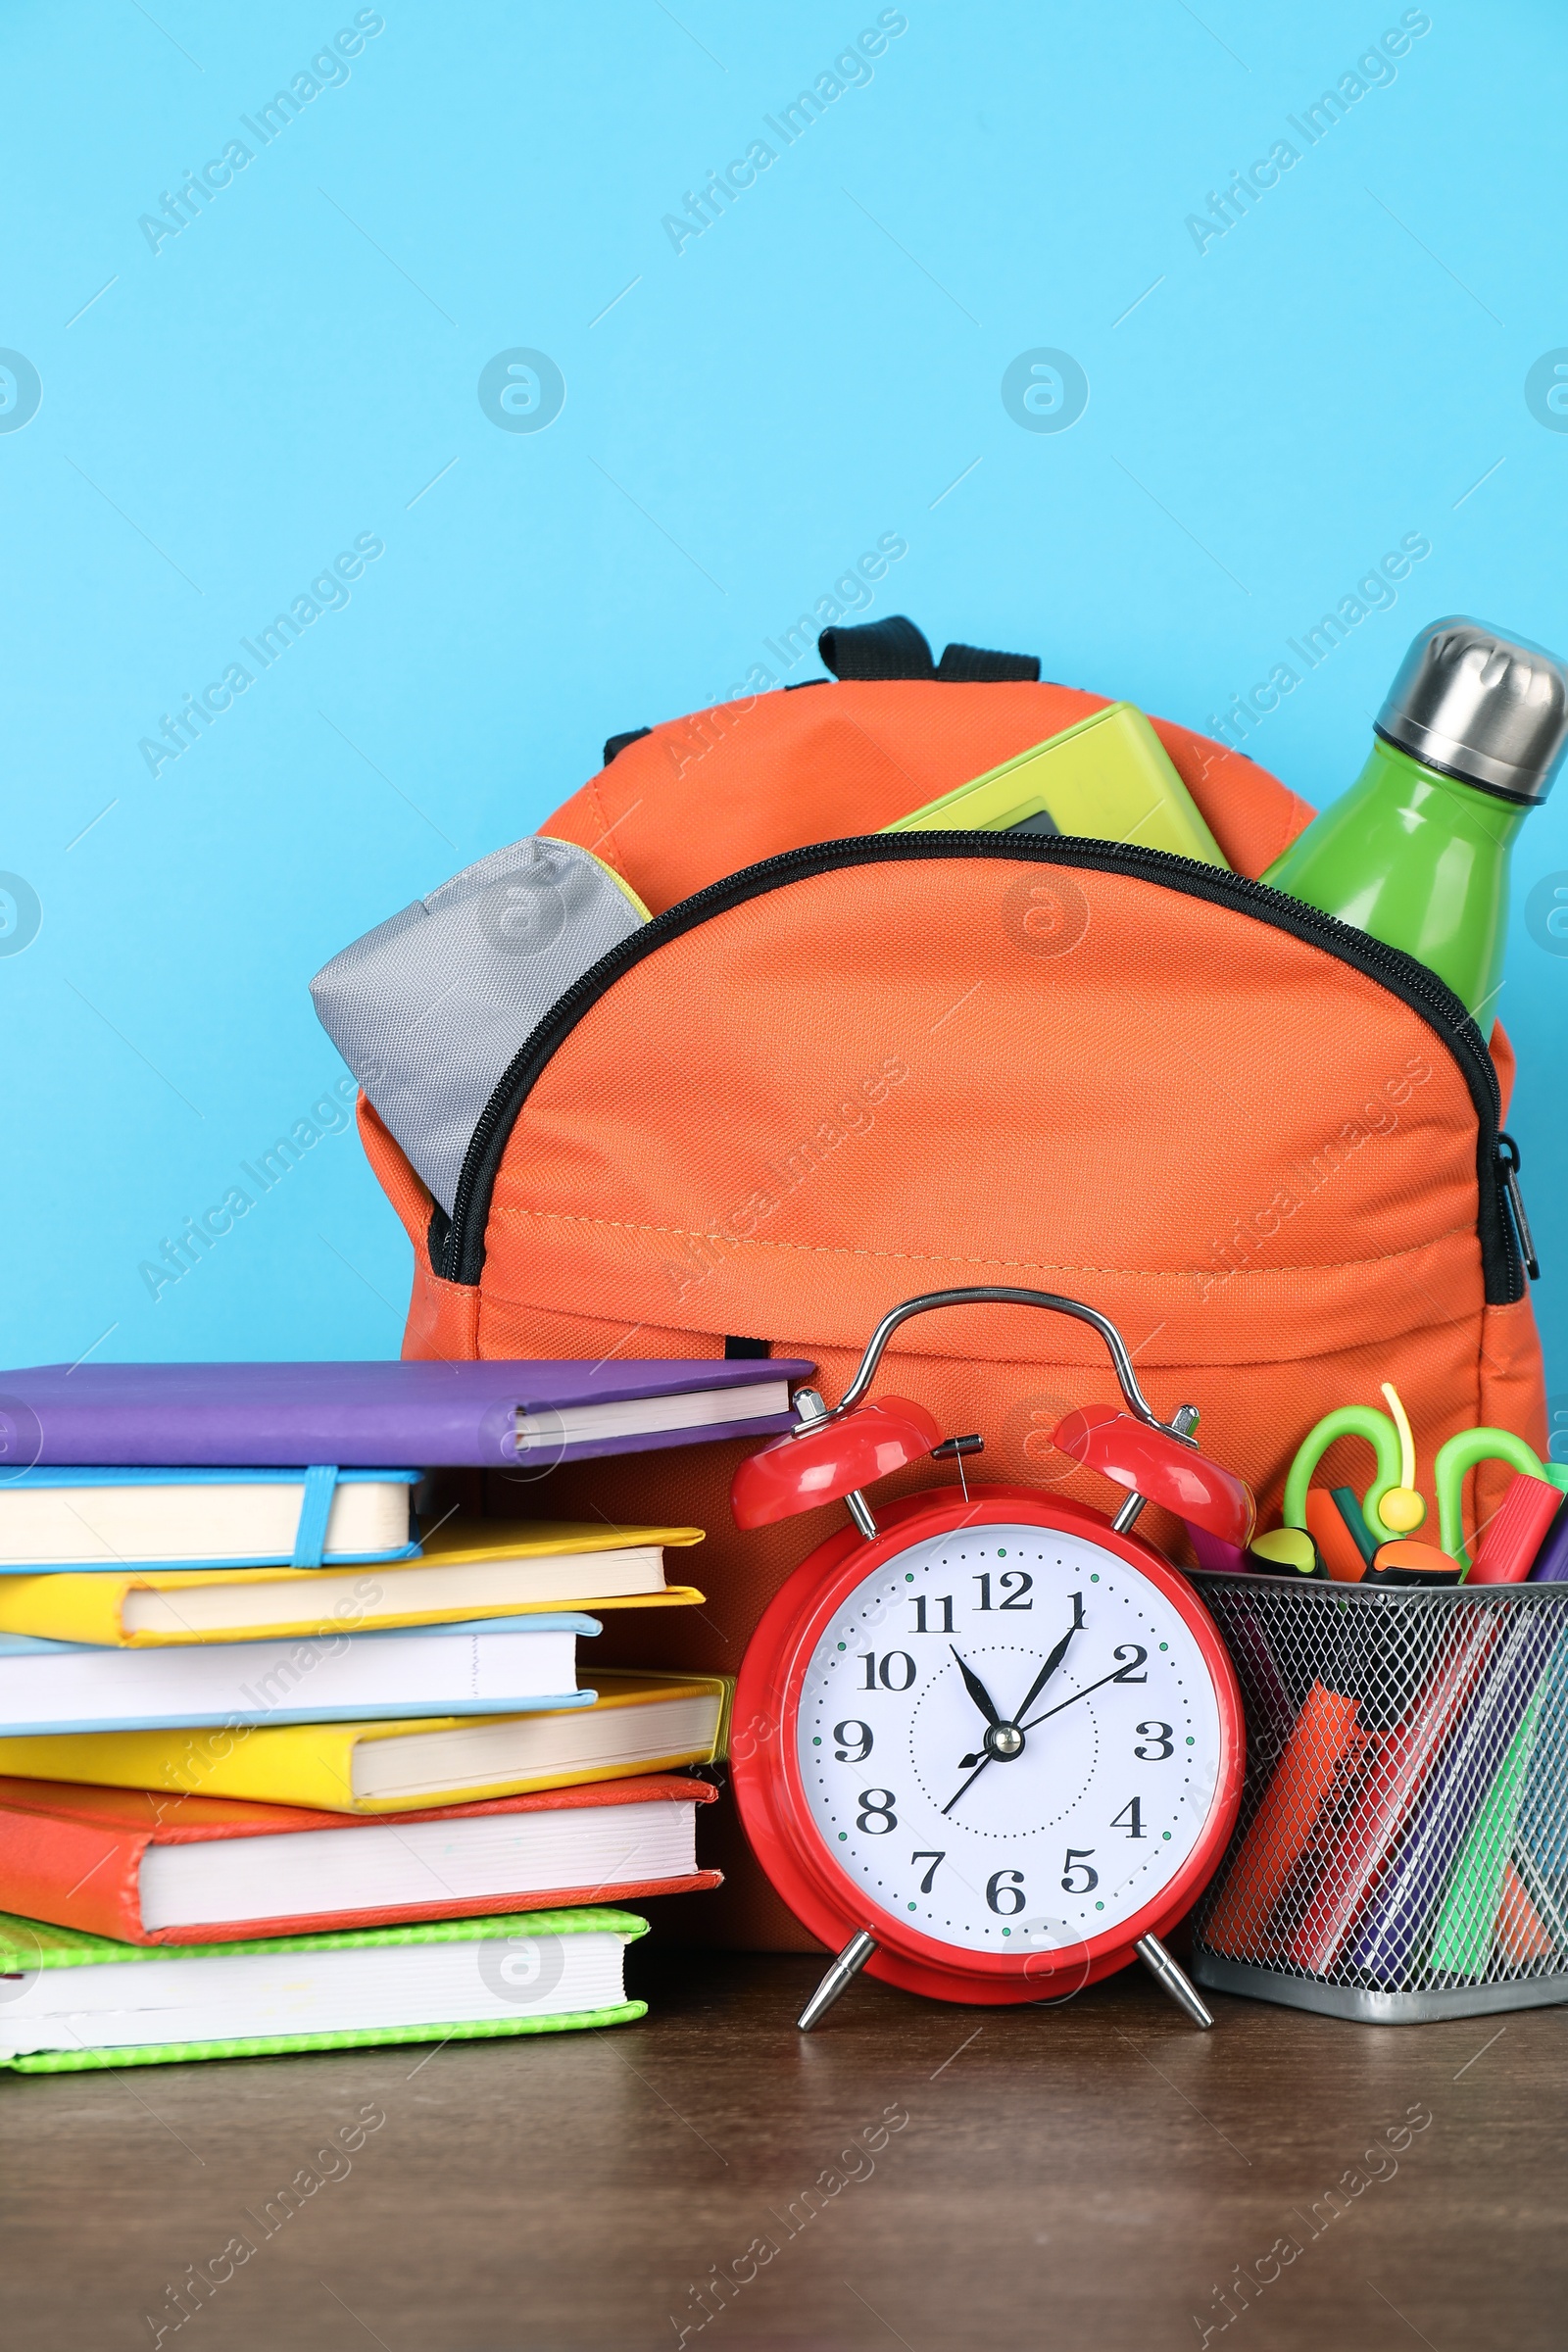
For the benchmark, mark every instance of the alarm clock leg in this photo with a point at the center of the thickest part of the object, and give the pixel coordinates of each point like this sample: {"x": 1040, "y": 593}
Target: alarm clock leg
{"x": 854, "y": 1957}
{"x": 1170, "y": 1977}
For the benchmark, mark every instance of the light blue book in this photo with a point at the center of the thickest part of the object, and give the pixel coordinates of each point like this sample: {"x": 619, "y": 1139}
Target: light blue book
{"x": 75, "y": 1519}
{"x": 491, "y": 1666}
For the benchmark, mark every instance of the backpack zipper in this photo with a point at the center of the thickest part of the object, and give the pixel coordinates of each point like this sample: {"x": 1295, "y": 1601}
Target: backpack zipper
{"x": 1508, "y": 1157}
{"x": 457, "y": 1245}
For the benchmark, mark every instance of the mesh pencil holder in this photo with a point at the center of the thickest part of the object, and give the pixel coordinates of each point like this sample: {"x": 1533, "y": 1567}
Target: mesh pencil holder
{"x": 1402, "y": 1849}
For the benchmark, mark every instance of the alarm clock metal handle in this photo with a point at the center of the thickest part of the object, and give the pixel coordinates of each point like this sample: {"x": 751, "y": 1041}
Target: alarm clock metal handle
{"x": 998, "y": 1295}
{"x": 814, "y": 1465}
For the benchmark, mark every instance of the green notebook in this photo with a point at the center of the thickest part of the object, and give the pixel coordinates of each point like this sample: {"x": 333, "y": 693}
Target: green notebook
{"x": 1109, "y": 778}
{"x": 70, "y": 2000}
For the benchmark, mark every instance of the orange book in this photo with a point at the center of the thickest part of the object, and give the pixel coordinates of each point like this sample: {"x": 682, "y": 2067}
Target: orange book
{"x": 148, "y": 1868}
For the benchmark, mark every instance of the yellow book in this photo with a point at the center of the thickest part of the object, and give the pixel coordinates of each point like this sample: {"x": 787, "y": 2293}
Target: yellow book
{"x": 640, "y": 1723}
{"x": 488, "y": 1568}
{"x": 1109, "y": 778}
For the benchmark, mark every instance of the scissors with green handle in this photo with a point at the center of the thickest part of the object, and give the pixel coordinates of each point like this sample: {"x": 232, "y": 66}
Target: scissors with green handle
{"x": 1462, "y": 1453}
{"x": 1391, "y": 1506}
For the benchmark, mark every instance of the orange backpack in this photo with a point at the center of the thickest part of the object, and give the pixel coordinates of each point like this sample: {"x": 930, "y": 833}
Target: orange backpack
{"x": 843, "y": 1066}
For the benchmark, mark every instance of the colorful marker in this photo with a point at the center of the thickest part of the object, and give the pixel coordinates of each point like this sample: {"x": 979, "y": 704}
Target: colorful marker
{"x": 1516, "y": 1531}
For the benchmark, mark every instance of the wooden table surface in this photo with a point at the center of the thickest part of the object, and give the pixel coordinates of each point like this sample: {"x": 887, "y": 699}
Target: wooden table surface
{"x": 1083, "y": 2176}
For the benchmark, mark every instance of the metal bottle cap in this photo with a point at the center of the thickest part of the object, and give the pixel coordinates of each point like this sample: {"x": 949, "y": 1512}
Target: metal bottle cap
{"x": 1487, "y": 708}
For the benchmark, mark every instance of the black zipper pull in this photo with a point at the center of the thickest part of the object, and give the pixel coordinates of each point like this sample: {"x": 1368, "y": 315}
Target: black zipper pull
{"x": 1508, "y": 1155}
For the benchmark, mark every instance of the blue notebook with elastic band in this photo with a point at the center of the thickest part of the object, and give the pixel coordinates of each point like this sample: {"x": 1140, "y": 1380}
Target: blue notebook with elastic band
{"x": 54, "y": 1520}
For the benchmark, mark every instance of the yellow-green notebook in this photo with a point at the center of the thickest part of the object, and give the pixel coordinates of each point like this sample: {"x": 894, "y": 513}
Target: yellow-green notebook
{"x": 75, "y": 2000}
{"x": 639, "y": 1723}
{"x": 1109, "y": 778}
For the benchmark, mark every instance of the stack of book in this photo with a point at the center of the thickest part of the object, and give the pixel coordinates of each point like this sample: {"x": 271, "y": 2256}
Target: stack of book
{"x": 279, "y": 1771}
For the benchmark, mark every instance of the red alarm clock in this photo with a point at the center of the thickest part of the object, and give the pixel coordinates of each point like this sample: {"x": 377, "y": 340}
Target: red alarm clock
{"x": 989, "y": 1743}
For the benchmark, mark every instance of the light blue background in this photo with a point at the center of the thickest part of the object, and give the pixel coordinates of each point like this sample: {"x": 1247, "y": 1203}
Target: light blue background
{"x": 294, "y": 369}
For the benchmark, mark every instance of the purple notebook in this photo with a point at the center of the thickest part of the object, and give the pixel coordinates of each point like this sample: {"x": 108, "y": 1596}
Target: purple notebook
{"x": 522, "y": 1416}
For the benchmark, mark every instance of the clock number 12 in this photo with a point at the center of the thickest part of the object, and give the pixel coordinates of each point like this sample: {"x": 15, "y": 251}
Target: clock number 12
{"x": 1015, "y": 1583}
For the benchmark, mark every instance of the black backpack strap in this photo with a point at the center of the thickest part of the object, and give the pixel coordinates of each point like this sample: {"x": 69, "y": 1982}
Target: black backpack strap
{"x": 896, "y": 649}
{"x": 966, "y": 664}
{"x": 617, "y": 742}
{"x": 880, "y": 649}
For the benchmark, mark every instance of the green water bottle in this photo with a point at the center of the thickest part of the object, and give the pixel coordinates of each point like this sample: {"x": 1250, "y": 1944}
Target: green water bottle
{"x": 1416, "y": 853}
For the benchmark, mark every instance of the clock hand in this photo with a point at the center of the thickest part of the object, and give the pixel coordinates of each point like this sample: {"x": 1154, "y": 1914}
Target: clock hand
{"x": 978, "y": 1692}
{"x": 974, "y": 1776}
{"x": 982, "y": 1697}
{"x": 1051, "y": 1663}
{"x": 1067, "y": 1702}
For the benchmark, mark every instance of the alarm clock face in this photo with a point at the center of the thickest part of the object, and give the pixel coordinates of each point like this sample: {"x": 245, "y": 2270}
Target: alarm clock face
{"x": 1008, "y": 1739}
